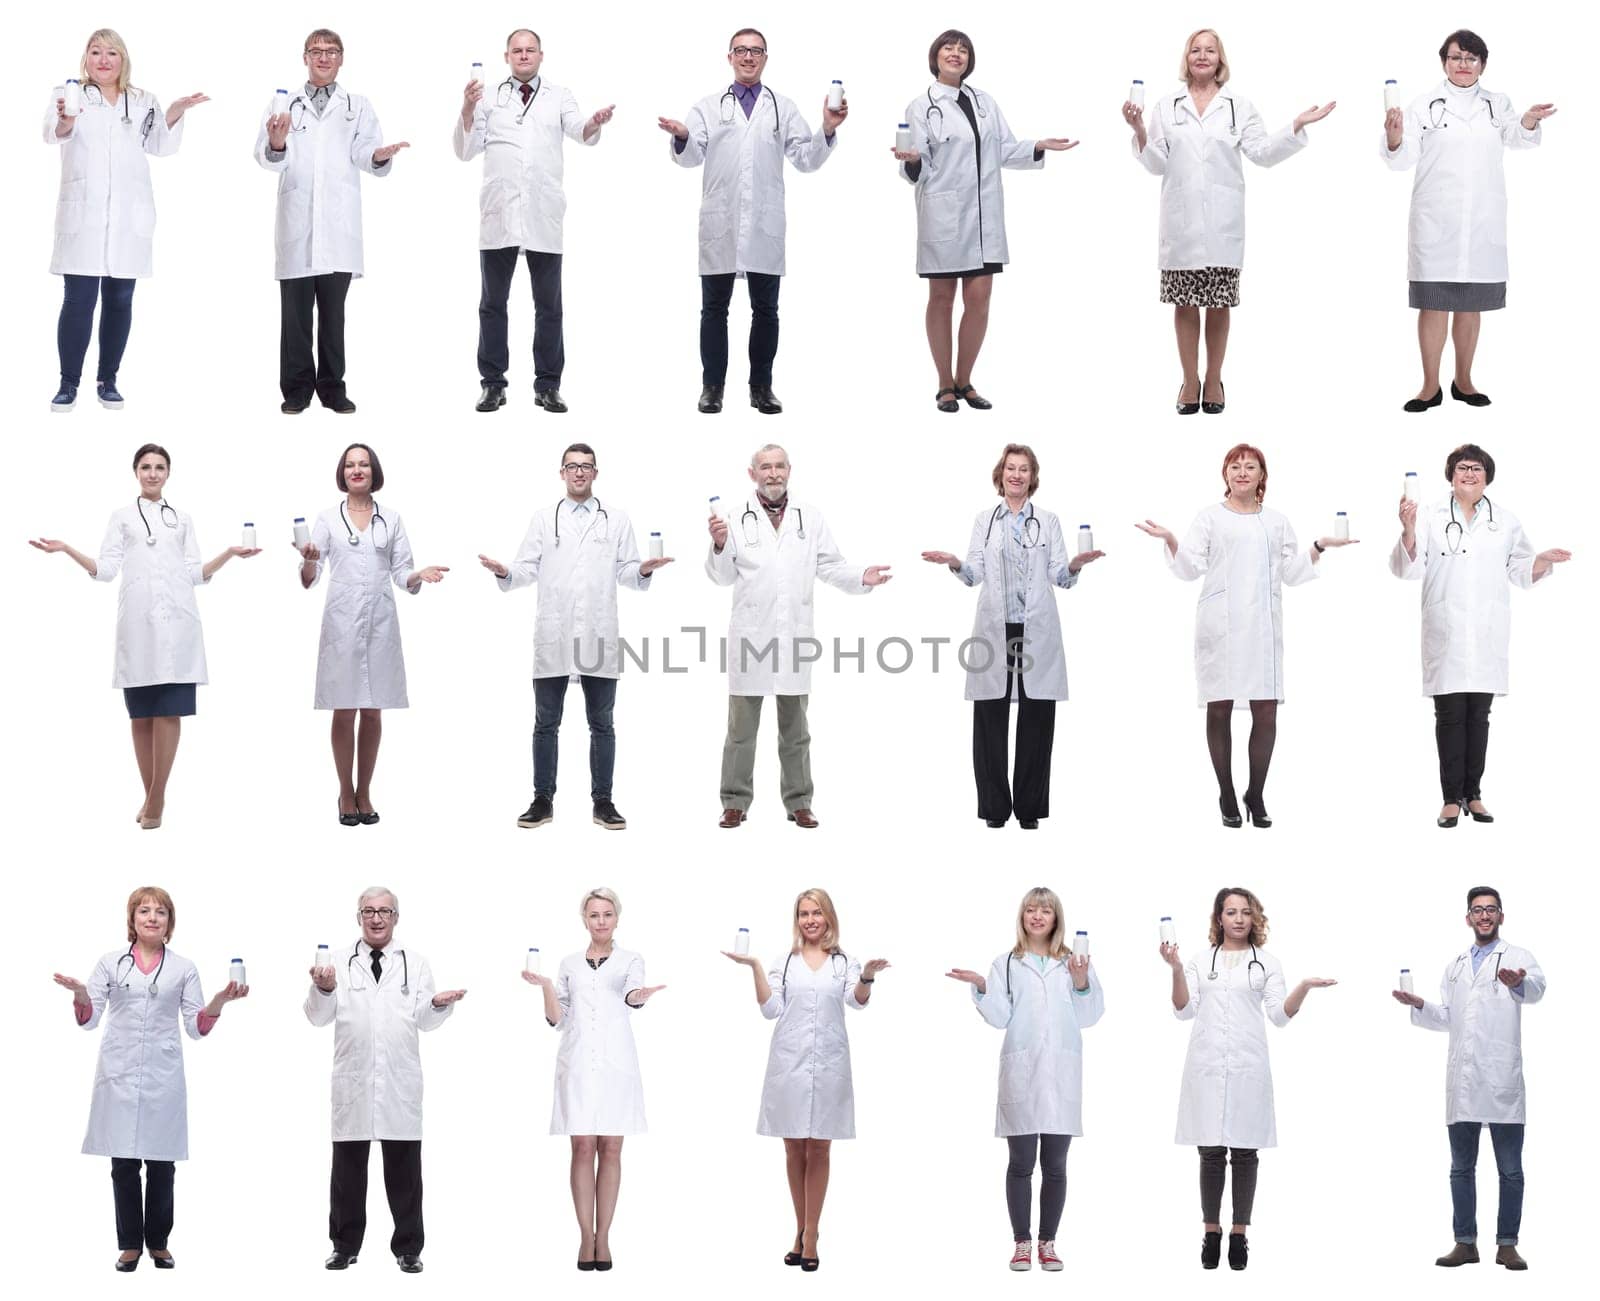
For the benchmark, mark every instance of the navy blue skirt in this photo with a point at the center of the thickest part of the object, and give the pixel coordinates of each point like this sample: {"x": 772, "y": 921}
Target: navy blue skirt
{"x": 160, "y": 700}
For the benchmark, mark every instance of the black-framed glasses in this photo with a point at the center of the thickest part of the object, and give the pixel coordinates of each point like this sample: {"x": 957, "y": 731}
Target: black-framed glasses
{"x": 324, "y": 52}
{"x": 1463, "y": 60}
{"x": 578, "y": 467}
{"x": 372, "y": 914}
{"x": 1483, "y": 910}
{"x": 753, "y": 51}
{"x": 1471, "y": 467}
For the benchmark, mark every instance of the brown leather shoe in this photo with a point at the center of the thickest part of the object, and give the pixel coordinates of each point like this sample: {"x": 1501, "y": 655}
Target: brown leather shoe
{"x": 731, "y": 818}
{"x": 1508, "y": 1257}
{"x": 803, "y": 818}
{"x": 1463, "y": 1253}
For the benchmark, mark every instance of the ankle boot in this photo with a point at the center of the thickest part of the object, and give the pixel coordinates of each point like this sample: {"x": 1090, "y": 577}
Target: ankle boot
{"x": 1238, "y": 1251}
{"x": 1463, "y": 1253}
{"x": 1211, "y": 1250}
{"x": 1508, "y": 1257}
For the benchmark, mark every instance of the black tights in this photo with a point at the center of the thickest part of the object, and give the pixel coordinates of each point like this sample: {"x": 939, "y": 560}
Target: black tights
{"x": 1052, "y": 1151}
{"x": 1213, "y": 1168}
{"x": 1219, "y": 739}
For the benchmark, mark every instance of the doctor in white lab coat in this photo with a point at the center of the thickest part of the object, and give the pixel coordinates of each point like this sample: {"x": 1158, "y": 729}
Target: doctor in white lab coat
{"x": 1197, "y": 137}
{"x": 742, "y": 135}
{"x": 599, "y": 1099}
{"x": 160, "y": 654}
{"x": 808, "y": 1097}
{"x": 579, "y": 551}
{"x": 1246, "y": 553}
{"x": 360, "y": 670}
{"x": 1455, "y": 135}
{"x": 1016, "y": 558}
{"x": 1042, "y": 995}
{"x": 319, "y": 149}
{"x": 377, "y": 997}
{"x": 105, "y": 210}
{"x": 1481, "y": 997}
{"x": 959, "y": 142}
{"x": 1466, "y": 551}
{"x": 519, "y": 127}
{"x": 772, "y": 557}
{"x": 139, "y": 1111}
{"x": 1225, "y": 1103}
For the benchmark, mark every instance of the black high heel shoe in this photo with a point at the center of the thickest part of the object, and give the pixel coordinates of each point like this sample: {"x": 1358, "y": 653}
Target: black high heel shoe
{"x": 1189, "y": 408}
{"x": 1214, "y": 408}
{"x": 1473, "y": 813}
{"x": 1423, "y": 404}
{"x": 1234, "y": 819}
{"x": 1451, "y": 821}
{"x": 162, "y": 1262}
{"x": 349, "y": 819}
{"x": 1256, "y": 810}
{"x": 126, "y": 1266}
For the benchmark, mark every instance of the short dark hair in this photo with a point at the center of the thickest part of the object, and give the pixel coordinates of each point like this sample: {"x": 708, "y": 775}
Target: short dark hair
{"x": 151, "y": 447}
{"x": 531, "y": 33}
{"x": 1468, "y": 43}
{"x": 580, "y": 447}
{"x": 377, "y": 467}
{"x": 951, "y": 37}
{"x": 753, "y": 31}
{"x": 1479, "y": 890}
{"x": 1469, "y": 452}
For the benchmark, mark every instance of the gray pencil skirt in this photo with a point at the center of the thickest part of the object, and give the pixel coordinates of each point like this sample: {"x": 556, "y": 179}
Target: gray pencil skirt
{"x": 1457, "y": 296}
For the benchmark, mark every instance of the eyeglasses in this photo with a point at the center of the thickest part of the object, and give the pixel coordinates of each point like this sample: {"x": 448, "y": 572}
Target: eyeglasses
{"x": 577, "y": 467}
{"x": 1483, "y": 910}
{"x": 1463, "y": 60}
{"x": 751, "y": 51}
{"x": 1468, "y": 467}
{"x": 324, "y": 52}
{"x": 372, "y": 914}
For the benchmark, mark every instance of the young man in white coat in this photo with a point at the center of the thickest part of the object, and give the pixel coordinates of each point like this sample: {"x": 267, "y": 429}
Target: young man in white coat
{"x": 319, "y": 148}
{"x": 518, "y": 129}
{"x": 742, "y": 135}
{"x": 772, "y": 558}
{"x": 377, "y": 998}
{"x": 1480, "y": 1005}
{"x": 579, "y": 551}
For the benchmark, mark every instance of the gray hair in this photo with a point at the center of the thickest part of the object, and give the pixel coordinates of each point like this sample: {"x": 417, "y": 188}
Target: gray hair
{"x": 601, "y": 892}
{"x": 770, "y": 447}
{"x": 377, "y": 892}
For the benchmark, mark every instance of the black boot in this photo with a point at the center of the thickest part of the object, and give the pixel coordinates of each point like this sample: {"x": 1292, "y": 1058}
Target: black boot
{"x": 1211, "y": 1250}
{"x": 1238, "y": 1251}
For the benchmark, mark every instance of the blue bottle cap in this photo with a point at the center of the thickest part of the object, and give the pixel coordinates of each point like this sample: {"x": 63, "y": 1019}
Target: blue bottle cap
{"x": 1083, "y": 526}
{"x": 1166, "y": 919}
{"x": 232, "y": 961}
{"x": 281, "y": 91}
{"x": 655, "y": 533}
{"x": 72, "y": 81}
{"x": 533, "y": 948}
{"x": 1137, "y": 81}
{"x": 1340, "y": 512}
{"x": 301, "y": 519}
{"x": 249, "y": 524}
{"x": 744, "y": 930}
{"x": 1411, "y": 474}
{"x": 837, "y": 82}
{"x": 1391, "y": 82}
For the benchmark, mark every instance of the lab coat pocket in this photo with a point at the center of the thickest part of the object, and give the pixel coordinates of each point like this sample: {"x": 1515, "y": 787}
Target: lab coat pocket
{"x": 1016, "y": 1075}
{"x": 941, "y": 216}
{"x": 1211, "y": 621}
{"x": 294, "y": 215}
{"x": 144, "y": 217}
{"x": 71, "y": 206}
{"x": 771, "y": 221}
{"x": 347, "y": 1098}
{"x": 499, "y": 212}
{"x": 552, "y": 203}
{"x": 713, "y": 225}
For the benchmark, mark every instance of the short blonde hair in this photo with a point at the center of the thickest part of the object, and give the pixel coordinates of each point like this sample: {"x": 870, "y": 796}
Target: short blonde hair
{"x": 1223, "y": 71}
{"x": 604, "y": 893}
{"x": 105, "y": 36}
{"x": 1058, "y": 946}
{"x": 156, "y": 895}
{"x": 830, "y": 936}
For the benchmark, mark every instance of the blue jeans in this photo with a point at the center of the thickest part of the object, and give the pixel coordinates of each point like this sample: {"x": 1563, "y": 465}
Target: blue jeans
{"x": 1507, "y": 1140}
{"x": 549, "y": 698}
{"x": 76, "y": 324}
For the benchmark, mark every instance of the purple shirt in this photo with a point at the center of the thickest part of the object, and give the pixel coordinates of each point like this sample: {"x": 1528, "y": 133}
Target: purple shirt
{"x": 747, "y": 96}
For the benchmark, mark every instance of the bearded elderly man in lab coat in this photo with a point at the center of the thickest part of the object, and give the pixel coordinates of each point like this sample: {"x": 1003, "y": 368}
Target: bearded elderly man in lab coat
{"x": 1480, "y": 1004}
{"x": 742, "y": 135}
{"x": 377, "y": 996}
{"x": 771, "y": 553}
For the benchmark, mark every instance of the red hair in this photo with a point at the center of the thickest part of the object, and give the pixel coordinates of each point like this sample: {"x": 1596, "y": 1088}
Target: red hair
{"x": 1237, "y": 451}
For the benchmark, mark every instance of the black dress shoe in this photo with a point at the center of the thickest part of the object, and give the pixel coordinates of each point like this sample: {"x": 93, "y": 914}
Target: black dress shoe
{"x": 340, "y": 406}
{"x": 586, "y": 1265}
{"x": 349, "y": 819}
{"x": 606, "y": 815}
{"x": 1472, "y": 813}
{"x": 994, "y": 822}
{"x": 1471, "y": 399}
{"x": 292, "y": 406}
{"x": 1422, "y": 404}
{"x": 1028, "y": 824}
{"x": 126, "y": 1266}
{"x": 1214, "y": 408}
{"x": 409, "y": 1264}
{"x": 764, "y": 400}
{"x": 492, "y": 398}
{"x": 970, "y": 396}
{"x": 601, "y": 1266}
{"x": 1234, "y": 819}
{"x": 710, "y": 399}
{"x": 162, "y": 1262}
{"x": 368, "y": 819}
{"x": 551, "y": 401}
{"x": 947, "y": 405}
{"x": 539, "y": 812}
{"x": 340, "y": 1260}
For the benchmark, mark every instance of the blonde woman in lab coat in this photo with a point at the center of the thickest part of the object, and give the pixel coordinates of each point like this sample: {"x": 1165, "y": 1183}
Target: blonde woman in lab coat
{"x": 106, "y": 211}
{"x": 1225, "y": 1104}
{"x": 1455, "y": 135}
{"x": 808, "y": 1098}
{"x": 160, "y": 654}
{"x": 139, "y": 1113}
{"x": 1195, "y": 142}
{"x": 1042, "y": 995}
{"x": 599, "y": 1099}
{"x": 360, "y": 670}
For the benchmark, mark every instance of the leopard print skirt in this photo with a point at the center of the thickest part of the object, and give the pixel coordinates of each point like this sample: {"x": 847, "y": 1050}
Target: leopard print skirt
{"x": 1208, "y": 287}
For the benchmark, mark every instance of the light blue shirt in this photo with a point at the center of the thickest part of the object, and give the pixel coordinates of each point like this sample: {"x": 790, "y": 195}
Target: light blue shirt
{"x": 1478, "y": 955}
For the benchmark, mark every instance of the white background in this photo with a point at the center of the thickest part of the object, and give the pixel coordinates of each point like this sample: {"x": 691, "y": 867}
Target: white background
{"x": 1080, "y": 363}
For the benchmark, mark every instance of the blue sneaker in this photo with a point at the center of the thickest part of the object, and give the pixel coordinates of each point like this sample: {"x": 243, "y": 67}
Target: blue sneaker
{"x": 106, "y": 391}
{"x": 65, "y": 400}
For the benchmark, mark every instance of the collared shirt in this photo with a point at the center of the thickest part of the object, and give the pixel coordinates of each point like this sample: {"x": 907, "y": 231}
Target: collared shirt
{"x": 1479, "y": 954}
{"x": 747, "y": 96}
{"x": 318, "y": 96}
{"x": 528, "y": 89}
{"x": 1017, "y": 567}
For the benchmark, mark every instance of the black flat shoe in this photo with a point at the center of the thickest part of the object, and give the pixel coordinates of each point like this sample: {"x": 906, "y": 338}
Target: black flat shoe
{"x": 1422, "y": 404}
{"x": 1214, "y": 408}
{"x": 1234, "y": 819}
{"x": 552, "y": 401}
{"x": 947, "y": 404}
{"x": 492, "y": 398}
{"x": 162, "y": 1262}
{"x": 600, "y": 1266}
{"x": 1256, "y": 811}
{"x": 764, "y": 400}
{"x": 340, "y": 1260}
{"x": 994, "y": 822}
{"x": 126, "y": 1266}
{"x": 292, "y": 406}
{"x": 367, "y": 819}
{"x": 340, "y": 406}
{"x": 968, "y": 395}
{"x": 710, "y": 399}
{"x": 1471, "y": 399}
{"x": 1028, "y": 824}
{"x": 409, "y": 1264}
{"x": 586, "y": 1265}
{"x": 349, "y": 819}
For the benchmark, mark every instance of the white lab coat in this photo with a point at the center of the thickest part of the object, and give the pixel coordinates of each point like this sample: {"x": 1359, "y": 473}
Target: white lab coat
{"x": 772, "y": 574}
{"x": 742, "y": 219}
{"x": 359, "y": 662}
{"x": 1466, "y": 596}
{"x": 989, "y": 568}
{"x": 1041, "y": 1060}
{"x": 808, "y": 1092}
{"x": 575, "y": 627}
{"x": 106, "y": 210}
{"x": 1199, "y": 161}
{"x": 318, "y": 228}
{"x": 377, "y": 1065}
{"x": 961, "y": 209}
{"x": 598, "y": 1090}
{"x": 158, "y": 619}
{"x": 1238, "y": 629}
{"x": 1226, "y": 1099}
{"x": 1457, "y": 231}
{"x": 140, "y": 1104}
{"x": 521, "y": 203}
{"x": 1483, "y": 1074}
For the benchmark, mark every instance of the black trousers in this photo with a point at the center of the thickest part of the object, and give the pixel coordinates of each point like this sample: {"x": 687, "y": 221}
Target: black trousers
{"x": 1213, "y": 1172}
{"x": 1461, "y": 730}
{"x": 716, "y": 292}
{"x": 1052, "y": 1156}
{"x": 144, "y": 1215}
{"x": 402, "y": 1182}
{"x": 1028, "y": 793}
{"x": 303, "y": 371}
{"x": 498, "y": 266}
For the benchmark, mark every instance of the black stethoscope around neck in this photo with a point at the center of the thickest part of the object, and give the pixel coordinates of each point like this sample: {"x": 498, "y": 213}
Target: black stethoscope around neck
{"x": 1250, "y": 967}
{"x": 728, "y": 105}
{"x": 1466, "y": 957}
{"x": 127, "y": 119}
{"x": 118, "y": 978}
{"x": 1455, "y": 532}
{"x": 405, "y": 967}
{"x": 1233, "y": 116}
{"x": 1439, "y": 106}
{"x": 751, "y": 521}
{"x": 1030, "y": 526}
{"x": 934, "y": 108}
{"x": 602, "y": 524}
{"x": 354, "y": 538}
{"x": 507, "y": 88}
{"x": 299, "y": 105}
{"x": 166, "y": 514}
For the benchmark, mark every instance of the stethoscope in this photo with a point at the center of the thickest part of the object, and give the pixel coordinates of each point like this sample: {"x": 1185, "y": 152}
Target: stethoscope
{"x": 299, "y": 105}
{"x": 602, "y": 524}
{"x": 1438, "y": 107}
{"x": 372, "y": 527}
{"x": 117, "y": 978}
{"x": 405, "y": 968}
{"x": 726, "y": 105}
{"x": 1030, "y": 527}
{"x": 1233, "y": 117}
{"x": 1455, "y": 973}
{"x": 165, "y": 512}
{"x": 1454, "y": 541}
{"x": 934, "y": 108}
{"x": 751, "y": 521}
{"x": 502, "y": 95}
{"x": 1012, "y": 957}
{"x": 836, "y": 954}
{"x": 100, "y": 98}
{"x": 1250, "y": 968}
